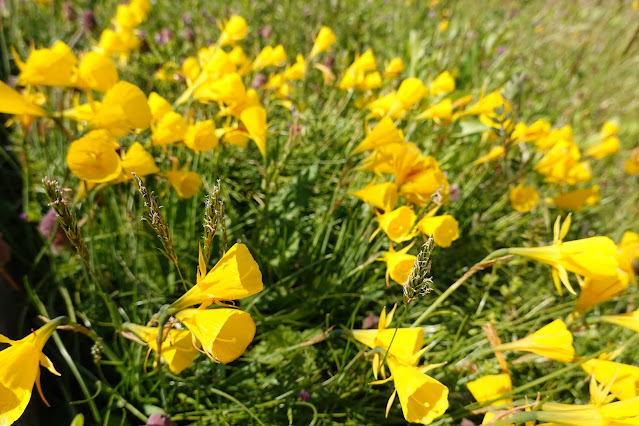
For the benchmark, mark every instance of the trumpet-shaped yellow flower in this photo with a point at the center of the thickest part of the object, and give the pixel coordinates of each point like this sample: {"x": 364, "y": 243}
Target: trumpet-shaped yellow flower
{"x": 444, "y": 229}
{"x": 235, "y": 29}
{"x": 603, "y": 148}
{"x": 495, "y": 153}
{"x": 201, "y": 136}
{"x": 13, "y": 102}
{"x": 187, "y": 184}
{"x": 411, "y": 91}
{"x": 171, "y": 128}
{"x": 623, "y": 379}
{"x": 355, "y": 73}
{"x": 297, "y": 71}
{"x": 381, "y": 195}
{"x": 325, "y": 39}
{"x": 394, "y": 68}
{"x": 96, "y": 72}
{"x": 523, "y": 198}
{"x": 93, "y": 158}
{"x": 122, "y": 41}
{"x": 553, "y": 341}
{"x": 158, "y": 106}
{"x": 240, "y": 60}
{"x": 123, "y": 108}
{"x": 137, "y": 160}
{"x": 627, "y": 253}
{"x": 384, "y": 133}
{"x": 629, "y": 320}
{"x": 491, "y": 387}
{"x": 443, "y": 84}
{"x": 372, "y": 80}
{"x": 127, "y": 17}
{"x": 399, "y": 264}
{"x": 560, "y": 164}
{"x": 537, "y": 130}
{"x": 631, "y": 165}
{"x": 562, "y": 134}
{"x": 235, "y": 276}
{"x": 20, "y": 369}
{"x": 224, "y": 333}
{"x": 48, "y": 67}
{"x": 179, "y": 349}
{"x": 422, "y": 398}
{"x": 254, "y": 119}
{"x": 442, "y": 111}
{"x": 398, "y": 224}
{"x": 269, "y": 56}
{"x": 577, "y": 199}
{"x": 593, "y": 257}
{"x": 597, "y": 290}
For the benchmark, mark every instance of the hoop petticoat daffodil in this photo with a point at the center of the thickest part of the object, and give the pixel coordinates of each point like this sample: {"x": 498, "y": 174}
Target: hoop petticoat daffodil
{"x": 553, "y": 341}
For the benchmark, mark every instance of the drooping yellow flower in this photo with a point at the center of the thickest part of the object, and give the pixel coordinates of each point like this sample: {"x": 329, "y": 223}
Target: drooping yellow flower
{"x": 235, "y": 276}
{"x": 443, "y": 84}
{"x": 201, "y": 136}
{"x": 553, "y": 341}
{"x": 235, "y": 29}
{"x": 495, "y": 153}
{"x": 381, "y": 195}
{"x": 254, "y": 118}
{"x": 93, "y": 158}
{"x": 96, "y": 72}
{"x": 523, "y": 198}
{"x": 577, "y": 199}
{"x": 422, "y": 398}
{"x": 444, "y": 229}
{"x": 399, "y": 264}
{"x": 179, "y": 349}
{"x": 269, "y": 56}
{"x": 623, "y": 379}
{"x": 631, "y": 165}
{"x": 537, "y": 130}
{"x": 20, "y": 369}
{"x": 627, "y": 253}
{"x": 442, "y": 111}
{"x": 137, "y": 160}
{"x": 398, "y": 224}
{"x": 384, "y": 133}
{"x": 48, "y": 67}
{"x": 123, "y": 108}
{"x": 12, "y": 102}
{"x": 593, "y": 257}
{"x": 394, "y": 68}
{"x": 171, "y": 128}
{"x": 158, "y": 106}
{"x": 597, "y": 290}
{"x": 187, "y": 184}
{"x": 490, "y": 388}
{"x": 224, "y": 333}
{"x": 325, "y": 39}
{"x": 629, "y": 320}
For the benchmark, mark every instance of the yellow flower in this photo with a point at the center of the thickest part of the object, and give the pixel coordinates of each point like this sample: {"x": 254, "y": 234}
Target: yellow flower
{"x": 327, "y": 74}
{"x": 597, "y": 290}
{"x": 629, "y": 320}
{"x": 20, "y": 369}
{"x": 631, "y": 165}
{"x": 411, "y": 91}
{"x": 169, "y": 129}
{"x": 158, "y": 106}
{"x": 577, "y": 199}
{"x": 126, "y": 17}
{"x": 537, "y": 130}
{"x": 546, "y": 142}
{"x": 553, "y": 341}
{"x": 422, "y": 398}
{"x": 627, "y": 253}
{"x": 443, "y": 84}
{"x": 179, "y": 349}
{"x": 443, "y": 111}
{"x": 444, "y": 229}
{"x": 224, "y": 333}
{"x": 48, "y": 67}
{"x": 398, "y": 224}
{"x": 609, "y": 128}
{"x": 593, "y": 257}
{"x": 399, "y": 264}
{"x": 235, "y": 29}
{"x": 187, "y": 184}
{"x": 623, "y": 379}
{"x": 371, "y": 81}
{"x": 354, "y": 74}
{"x": 523, "y": 198}
{"x": 93, "y": 158}
{"x": 384, "y": 133}
{"x": 12, "y": 102}
{"x": 123, "y": 108}
{"x": 137, "y": 160}
{"x": 490, "y": 388}
{"x": 190, "y": 69}
{"x": 269, "y": 56}
{"x": 394, "y": 68}
{"x": 495, "y": 153}
{"x": 96, "y": 72}
{"x": 201, "y": 136}
{"x": 560, "y": 164}
{"x": 297, "y": 71}
{"x": 325, "y": 39}
{"x": 603, "y": 148}
{"x": 235, "y": 276}
{"x": 254, "y": 118}
{"x": 381, "y": 195}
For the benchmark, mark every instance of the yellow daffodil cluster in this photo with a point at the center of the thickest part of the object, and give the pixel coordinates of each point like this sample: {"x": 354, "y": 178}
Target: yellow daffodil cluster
{"x": 123, "y": 39}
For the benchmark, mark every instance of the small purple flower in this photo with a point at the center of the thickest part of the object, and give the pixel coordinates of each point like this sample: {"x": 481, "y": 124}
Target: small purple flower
{"x": 500, "y": 50}
{"x": 23, "y": 216}
{"x": 88, "y": 21}
{"x": 259, "y": 81}
{"x": 49, "y": 225}
{"x": 164, "y": 36}
{"x": 304, "y": 396}
{"x": 371, "y": 321}
{"x": 156, "y": 419}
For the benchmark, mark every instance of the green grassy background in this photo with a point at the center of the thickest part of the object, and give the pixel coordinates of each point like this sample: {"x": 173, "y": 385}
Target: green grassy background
{"x": 571, "y": 63}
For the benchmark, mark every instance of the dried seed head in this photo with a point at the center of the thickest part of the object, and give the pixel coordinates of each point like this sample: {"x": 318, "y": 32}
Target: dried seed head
{"x": 419, "y": 279}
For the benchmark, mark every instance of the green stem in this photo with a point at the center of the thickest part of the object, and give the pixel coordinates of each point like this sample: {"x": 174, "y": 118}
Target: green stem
{"x": 399, "y": 323}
